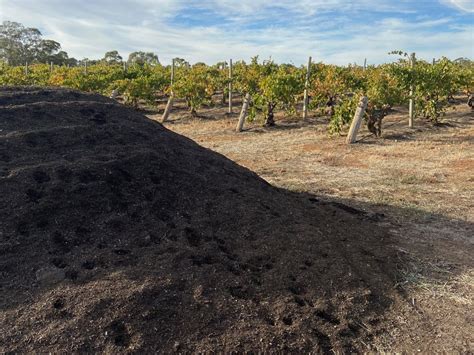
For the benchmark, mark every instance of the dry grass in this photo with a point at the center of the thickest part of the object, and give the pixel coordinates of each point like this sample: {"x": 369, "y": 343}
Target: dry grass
{"x": 460, "y": 289}
{"x": 440, "y": 280}
{"x": 428, "y": 168}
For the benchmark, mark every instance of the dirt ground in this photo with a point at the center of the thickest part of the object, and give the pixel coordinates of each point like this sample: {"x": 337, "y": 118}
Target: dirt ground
{"x": 421, "y": 180}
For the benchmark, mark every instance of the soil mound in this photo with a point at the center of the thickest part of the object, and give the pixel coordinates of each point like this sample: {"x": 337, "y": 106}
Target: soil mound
{"x": 118, "y": 235}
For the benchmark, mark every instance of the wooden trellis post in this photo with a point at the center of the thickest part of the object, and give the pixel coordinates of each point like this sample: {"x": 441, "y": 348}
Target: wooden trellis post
{"x": 85, "y": 67}
{"x": 411, "y": 108}
{"x": 169, "y": 104}
{"x": 51, "y": 67}
{"x": 26, "y": 69}
{"x": 230, "y": 86}
{"x": 243, "y": 113}
{"x": 356, "y": 122}
{"x": 306, "y": 86}
{"x": 172, "y": 74}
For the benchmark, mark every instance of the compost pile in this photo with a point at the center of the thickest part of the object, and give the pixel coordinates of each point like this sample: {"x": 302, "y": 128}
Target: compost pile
{"x": 118, "y": 235}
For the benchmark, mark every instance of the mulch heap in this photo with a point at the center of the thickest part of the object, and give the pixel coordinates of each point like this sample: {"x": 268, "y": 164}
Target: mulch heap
{"x": 118, "y": 235}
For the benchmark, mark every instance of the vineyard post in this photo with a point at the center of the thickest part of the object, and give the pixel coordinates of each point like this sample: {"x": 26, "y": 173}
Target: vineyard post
{"x": 169, "y": 104}
{"x": 26, "y": 69}
{"x": 411, "y": 107}
{"x": 51, "y": 68}
{"x": 365, "y": 63}
{"x": 125, "y": 67}
{"x": 85, "y": 67}
{"x": 434, "y": 61}
{"x": 172, "y": 74}
{"x": 356, "y": 122}
{"x": 168, "y": 108}
{"x": 230, "y": 86}
{"x": 243, "y": 113}
{"x": 306, "y": 85}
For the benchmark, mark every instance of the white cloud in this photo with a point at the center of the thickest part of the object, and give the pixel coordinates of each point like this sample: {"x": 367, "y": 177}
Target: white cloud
{"x": 464, "y": 5}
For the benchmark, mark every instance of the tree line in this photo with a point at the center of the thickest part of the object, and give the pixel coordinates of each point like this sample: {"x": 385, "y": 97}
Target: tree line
{"x": 20, "y": 45}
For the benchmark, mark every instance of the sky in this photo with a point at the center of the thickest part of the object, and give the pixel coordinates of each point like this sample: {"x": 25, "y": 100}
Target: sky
{"x": 331, "y": 31}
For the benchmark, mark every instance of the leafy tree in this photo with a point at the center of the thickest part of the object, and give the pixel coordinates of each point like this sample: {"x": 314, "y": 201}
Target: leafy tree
{"x": 89, "y": 62}
{"x": 62, "y": 58}
{"x": 142, "y": 58}
{"x": 463, "y": 61}
{"x": 221, "y": 65}
{"x": 112, "y": 57}
{"x": 19, "y": 44}
{"x": 47, "y": 50}
{"x": 180, "y": 62}
{"x": 72, "y": 62}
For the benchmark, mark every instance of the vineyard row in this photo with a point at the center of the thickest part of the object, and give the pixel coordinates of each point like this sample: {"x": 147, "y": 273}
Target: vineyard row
{"x": 267, "y": 87}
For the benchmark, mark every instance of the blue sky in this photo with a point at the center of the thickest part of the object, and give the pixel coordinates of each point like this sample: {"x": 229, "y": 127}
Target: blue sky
{"x": 333, "y": 31}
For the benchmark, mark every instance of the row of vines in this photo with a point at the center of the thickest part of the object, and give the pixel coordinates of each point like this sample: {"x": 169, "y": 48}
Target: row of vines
{"x": 332, "y": 90}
